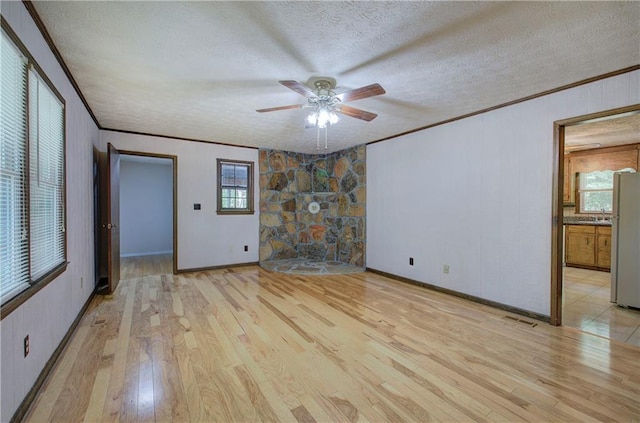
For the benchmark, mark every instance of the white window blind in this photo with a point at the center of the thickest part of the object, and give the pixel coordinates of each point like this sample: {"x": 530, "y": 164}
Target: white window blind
{"x": 14, "y": 247}
{"x": 46, "y": 168}
{"x": 32, "y": 220}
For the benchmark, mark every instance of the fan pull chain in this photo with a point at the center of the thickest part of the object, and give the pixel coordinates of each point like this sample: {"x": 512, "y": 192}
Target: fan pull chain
{"x": 326, "y": 144}
{"x": 325, "y": 137}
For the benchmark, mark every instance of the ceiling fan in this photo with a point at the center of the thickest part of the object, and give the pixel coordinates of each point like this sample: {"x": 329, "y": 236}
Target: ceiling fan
{"x": 324, "y": 102}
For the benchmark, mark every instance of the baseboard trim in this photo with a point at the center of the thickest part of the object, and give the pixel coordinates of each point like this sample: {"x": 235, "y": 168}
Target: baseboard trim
{"x": 494, "y": 304}
{"x": 21, "y": 412}
{"x": 224, "y": 266}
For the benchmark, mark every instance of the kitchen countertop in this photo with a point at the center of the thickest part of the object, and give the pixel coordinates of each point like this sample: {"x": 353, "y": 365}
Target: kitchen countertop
{"x": 579, "y": 220}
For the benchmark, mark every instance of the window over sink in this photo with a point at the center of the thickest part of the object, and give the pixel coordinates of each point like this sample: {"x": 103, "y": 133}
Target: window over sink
{"x": 595, "y": 191}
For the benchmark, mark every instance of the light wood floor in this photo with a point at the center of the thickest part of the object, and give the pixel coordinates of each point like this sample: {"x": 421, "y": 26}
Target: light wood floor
{"x": 248, "y": 345}
{"x": 587, "y": 306}
{"x": 137, "y": 266}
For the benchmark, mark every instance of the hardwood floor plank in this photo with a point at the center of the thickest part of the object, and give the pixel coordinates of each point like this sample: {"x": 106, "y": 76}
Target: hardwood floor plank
{"x": 246, "y": 344}
{"x": 47, "y": 398}
{"x": 257, "y": 398}
{"x": 315, "y": 410}
{"x": 302, "y": 415}
{"x": 98, "y": 393}
{"x": 146, "y": 394}
{"x": 116, "y": 381}
{"x": 140, "y": 329}
{"x": 195, "y": 405}
{"x": 275, "y": 401}
{"x": 408, "y": 405}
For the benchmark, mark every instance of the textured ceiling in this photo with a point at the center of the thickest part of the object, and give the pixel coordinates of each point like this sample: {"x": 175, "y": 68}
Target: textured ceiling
{"x": 200, "y": 69}
{"x": 603, "y": 133}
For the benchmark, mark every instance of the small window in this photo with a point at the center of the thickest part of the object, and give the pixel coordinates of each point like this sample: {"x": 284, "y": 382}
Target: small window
{"x": 235, "y": 187}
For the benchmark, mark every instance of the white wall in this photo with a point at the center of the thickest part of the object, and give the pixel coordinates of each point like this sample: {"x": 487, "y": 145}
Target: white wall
{"x": 47, "y": 316}
{"x": 476, "y": 194}
{"x": 146, "y": 207}
{"x": 205, "y": 238}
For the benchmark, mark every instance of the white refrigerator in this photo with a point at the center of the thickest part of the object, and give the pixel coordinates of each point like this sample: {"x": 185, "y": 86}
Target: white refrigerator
{"x": 625, "y": 240}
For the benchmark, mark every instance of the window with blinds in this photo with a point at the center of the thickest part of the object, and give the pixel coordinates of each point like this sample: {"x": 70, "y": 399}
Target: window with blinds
{"x": 235, "y": 187}
{"x": 32, "y": 211}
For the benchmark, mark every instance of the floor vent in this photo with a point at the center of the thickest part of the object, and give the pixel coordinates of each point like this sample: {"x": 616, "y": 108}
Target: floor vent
{"x": 526, "y": 322}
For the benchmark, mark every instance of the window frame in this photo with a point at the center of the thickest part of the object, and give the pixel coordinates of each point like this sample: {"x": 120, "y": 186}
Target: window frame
{"x": 580, "y": 191}
{"x": 582, "y": 200}
{"x": 36, "y": 285}
{"x": 250, "y": 188}
{"x": 583, "y": 191}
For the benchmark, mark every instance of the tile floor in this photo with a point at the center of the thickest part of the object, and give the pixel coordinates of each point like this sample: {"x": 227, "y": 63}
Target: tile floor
{"x": 586, "y": 306}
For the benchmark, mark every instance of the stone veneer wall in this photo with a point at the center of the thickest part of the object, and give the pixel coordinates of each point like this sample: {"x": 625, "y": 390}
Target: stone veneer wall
{"x": 289, "y": 182}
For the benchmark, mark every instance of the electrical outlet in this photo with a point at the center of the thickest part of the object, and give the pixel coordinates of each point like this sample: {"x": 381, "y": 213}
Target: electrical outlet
{"x": 445, "y": 269}
{"x": 26, "y": 345}
{"x": 410, "y": 261}
{"x": 246, "y": 248}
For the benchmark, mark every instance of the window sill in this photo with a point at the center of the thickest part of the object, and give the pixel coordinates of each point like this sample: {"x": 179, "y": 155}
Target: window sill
{"x": 13, "y": 304}
{"x": 223, "y": 212}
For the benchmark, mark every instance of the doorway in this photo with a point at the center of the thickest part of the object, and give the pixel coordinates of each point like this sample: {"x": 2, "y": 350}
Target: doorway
{"x": 108, "y": 224}
{"x": 146, "y": 215}
{"x": 580, "y": 296}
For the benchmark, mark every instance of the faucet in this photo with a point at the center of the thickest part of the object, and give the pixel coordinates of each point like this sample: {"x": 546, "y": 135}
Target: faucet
{"x": 603, "y": 215}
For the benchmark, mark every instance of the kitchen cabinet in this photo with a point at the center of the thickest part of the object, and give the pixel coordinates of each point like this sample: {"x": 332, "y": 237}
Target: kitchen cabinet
{"x": 603, "y": 241}
{"x": 580, "y": 245}
{"x": 588, "y": 246}
{"x": 611, "y": 158}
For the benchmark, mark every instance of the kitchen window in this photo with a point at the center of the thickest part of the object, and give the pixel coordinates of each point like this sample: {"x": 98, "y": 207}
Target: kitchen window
{"x": 235, "y": 187}
{"x": 596, "y": 191}
{"x": 32, "y": 181}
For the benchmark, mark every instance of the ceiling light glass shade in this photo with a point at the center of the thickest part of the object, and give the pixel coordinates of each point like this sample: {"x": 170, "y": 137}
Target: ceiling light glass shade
{"x": 312, "y": 118}
{"x": 322, "y": 117}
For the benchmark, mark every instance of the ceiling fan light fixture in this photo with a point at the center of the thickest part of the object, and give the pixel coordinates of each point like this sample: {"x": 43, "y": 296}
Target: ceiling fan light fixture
{"x": 322, "y": 115}
{"x": 325, "y": 104}
{"x": 325, "y": 116}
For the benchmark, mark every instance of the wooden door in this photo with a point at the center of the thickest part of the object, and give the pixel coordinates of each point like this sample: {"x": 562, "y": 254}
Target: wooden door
{"x": 113, "y": 216}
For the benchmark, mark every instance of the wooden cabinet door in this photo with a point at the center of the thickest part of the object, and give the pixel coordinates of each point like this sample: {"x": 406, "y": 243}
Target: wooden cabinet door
{"x": 581, "y": 249}
{"x": 604, "y": 250}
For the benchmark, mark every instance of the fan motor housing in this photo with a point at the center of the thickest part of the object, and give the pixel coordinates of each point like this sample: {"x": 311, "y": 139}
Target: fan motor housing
{"x": 321, "y": 83}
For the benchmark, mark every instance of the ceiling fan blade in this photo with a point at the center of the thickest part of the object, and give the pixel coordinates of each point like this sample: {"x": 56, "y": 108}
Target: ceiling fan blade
{"x": 360, "y": 93}
{"x": 299, "y": 88}
{"x": 274, "y": 109}
{"x": 357, "y": 113}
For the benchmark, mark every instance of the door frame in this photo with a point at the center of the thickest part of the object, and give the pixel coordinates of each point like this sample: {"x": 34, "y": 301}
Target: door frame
{"x": 174, "y": 160}
{"x": 557, "y": 212}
